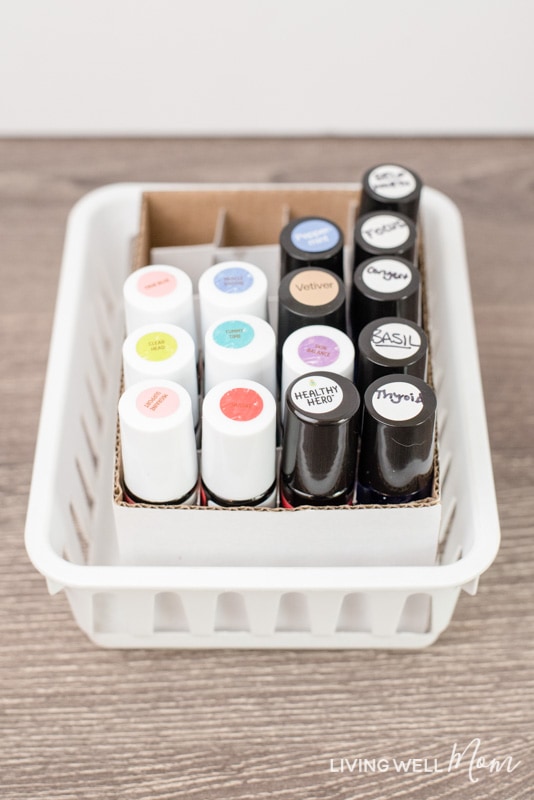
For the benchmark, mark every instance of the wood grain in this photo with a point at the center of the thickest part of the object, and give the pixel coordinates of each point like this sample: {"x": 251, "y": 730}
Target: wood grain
{"x": 82, "y": 723}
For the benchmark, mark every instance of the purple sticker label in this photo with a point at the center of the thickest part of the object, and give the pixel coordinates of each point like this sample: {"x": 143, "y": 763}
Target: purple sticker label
{"x": 318, "y": 351}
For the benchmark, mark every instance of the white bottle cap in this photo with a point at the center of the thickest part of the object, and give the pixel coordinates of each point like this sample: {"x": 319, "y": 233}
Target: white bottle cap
{"x": 231, "y": 287}
{"x": 238, "y": 441}
{"x": 159, "y": 457}
{"x": 161, "y": 352}
{"x": 159, "y": 293}
{"x": 240, "y": 346}
{"x": 315, "y": 347}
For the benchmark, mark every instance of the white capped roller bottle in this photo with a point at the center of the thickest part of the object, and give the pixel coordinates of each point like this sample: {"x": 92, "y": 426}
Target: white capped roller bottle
{"x": 162, "y": 352}
{"x": 231, "y": 288}
{"x": 315, "y": 347}
{"x": 241, "y": 346}
{"x": 159, "y": 293}
{"x": 158, "y": 448}
{"x": 238, "y": 462}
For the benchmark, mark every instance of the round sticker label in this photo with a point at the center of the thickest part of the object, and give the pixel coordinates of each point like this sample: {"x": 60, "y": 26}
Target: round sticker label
{"x": 386, "y": 276}
{"x": 241, "y": 405}
{"x": 397, "y": 401}
{"x": 233, "y": 280}
{"x": 233, "y": 334}
{"x": 317, "y": 393}
{"x": 314, "y": 288}
{"x": 156, "y": 283}
{"x": 395, "y": 340}
{"x": 157, "y": 402}
{"x": 156, "y": 346}
{"x": 318, "y": 351}
{"x": 315, "y": 235}
{"x": 392, "y": 182}
{"x": 385, "y": 231}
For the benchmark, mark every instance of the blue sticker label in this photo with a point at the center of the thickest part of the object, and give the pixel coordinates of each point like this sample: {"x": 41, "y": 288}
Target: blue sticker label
{"x": 233, "y": 334}
{"x": 233, "y": 280}
{"x": 315, "y": 235}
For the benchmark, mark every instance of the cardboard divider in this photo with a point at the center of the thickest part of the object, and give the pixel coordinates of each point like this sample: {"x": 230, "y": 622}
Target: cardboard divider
{"x": 193, "y": 230}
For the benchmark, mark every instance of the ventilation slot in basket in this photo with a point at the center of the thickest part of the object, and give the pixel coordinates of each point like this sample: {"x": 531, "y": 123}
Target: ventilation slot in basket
{"x": 354, "y": 614}
{"x": 231, "y": 614}
{"x": 293, "y": 613}
{"x": 169, "y": 613}
{"x": 416, "y": 614}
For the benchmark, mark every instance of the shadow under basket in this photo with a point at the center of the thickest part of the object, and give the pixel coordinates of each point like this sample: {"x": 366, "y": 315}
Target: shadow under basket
{"x": 248, "y": 578}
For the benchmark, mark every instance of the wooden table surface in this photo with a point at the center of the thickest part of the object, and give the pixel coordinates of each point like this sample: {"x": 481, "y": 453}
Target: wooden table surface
{"x": 84, "y": 723}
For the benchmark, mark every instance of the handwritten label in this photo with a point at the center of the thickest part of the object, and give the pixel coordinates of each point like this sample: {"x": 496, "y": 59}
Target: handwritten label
{"x": 392, "y": 182}
{"x": 386, "y": 275}
{"x": 385, "y": 231}
{"x": 395, "y": 340}
{"x": 397, "y": 401}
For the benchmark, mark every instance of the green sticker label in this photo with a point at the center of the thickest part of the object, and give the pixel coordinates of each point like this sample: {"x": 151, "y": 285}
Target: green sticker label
{"x": 156, "y": 346}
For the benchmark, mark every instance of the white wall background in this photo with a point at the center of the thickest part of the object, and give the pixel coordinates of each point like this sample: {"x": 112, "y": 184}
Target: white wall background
{"x": 252, "y": 67}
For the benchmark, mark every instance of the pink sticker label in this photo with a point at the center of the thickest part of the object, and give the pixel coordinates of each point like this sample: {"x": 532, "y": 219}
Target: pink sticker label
{"x": 156, "y": 283}
{"x": 318, "y": 351}
{"x": 157, "y": 402}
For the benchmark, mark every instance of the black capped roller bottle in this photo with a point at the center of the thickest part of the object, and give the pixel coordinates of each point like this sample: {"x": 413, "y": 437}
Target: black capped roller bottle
{"x": 384, "y": 287}
{"x": 384, "y": 233}
{"x": 309, "y": 296}
{"x": 320, "y": 444}
{"x": 390, "y": 345}
{"x": 311, "y": 242}
{"x": 391, "y": 187}
{"x": 397, "y": 441}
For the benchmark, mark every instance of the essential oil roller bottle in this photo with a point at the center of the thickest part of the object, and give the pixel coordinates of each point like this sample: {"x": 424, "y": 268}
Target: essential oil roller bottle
{"x": 320, "y": 442}
{"x": 384, "y": 233}
{"x": 309, "y": 297}
{"x": 159, "y": 293}
{"x": 231, "y": 288}
{"x": 384, "y": 287}
{"x": 391, "y": 187}
{"x": 390, "y": 345}
{"x": 398, "y": 440}
{"x": 311, "y": 242}
{"x": 238, "y": 460}
{"x": 158, "y": 447}
{"x": 315, "y": 347}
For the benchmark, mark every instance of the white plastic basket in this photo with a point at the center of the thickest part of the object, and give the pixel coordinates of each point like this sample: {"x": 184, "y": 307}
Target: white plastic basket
{"x": 70, "y": 530}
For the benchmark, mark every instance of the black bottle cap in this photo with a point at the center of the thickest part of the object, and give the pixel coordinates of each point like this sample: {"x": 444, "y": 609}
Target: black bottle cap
{"x": 311, "y": 242}
{"x": 391, "y": 187}
{"x": 310, "y": 296}
{"x": 384, "y": 287}
{"x": 390, "y": 345}
{"x": 320, "y": 442}
{"x": 398, "y": 437}
{"x": 384, "y": 233}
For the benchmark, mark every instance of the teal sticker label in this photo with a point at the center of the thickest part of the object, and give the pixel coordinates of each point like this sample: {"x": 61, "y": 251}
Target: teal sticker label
{"x": 233, "y": 334}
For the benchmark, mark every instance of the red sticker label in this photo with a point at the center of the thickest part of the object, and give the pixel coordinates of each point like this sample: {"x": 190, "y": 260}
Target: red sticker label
{"x": 241, "y": 405}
